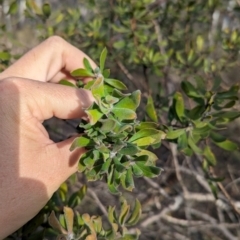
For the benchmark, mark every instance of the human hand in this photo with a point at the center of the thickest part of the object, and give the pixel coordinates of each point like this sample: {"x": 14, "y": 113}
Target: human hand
{"x": 32, "y": 166}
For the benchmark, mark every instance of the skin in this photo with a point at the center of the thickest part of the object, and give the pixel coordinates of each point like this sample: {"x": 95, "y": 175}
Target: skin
{"x": 32, "y": 166}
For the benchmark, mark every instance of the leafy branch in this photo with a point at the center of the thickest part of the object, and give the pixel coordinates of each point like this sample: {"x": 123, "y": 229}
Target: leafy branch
{"x": 116, "y": 141}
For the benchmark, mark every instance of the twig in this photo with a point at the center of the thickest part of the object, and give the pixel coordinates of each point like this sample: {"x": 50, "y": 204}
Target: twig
{"x": 200, "y": 197}
{"x": 94, "y": 195}
{"x": 237, "y": 180}
{"x": 173, "y": 207}
{"x": 182, "y": 222}
{"x": 173, "y": 148}
{"x": 130, "y": 76}
{"x": 231, "y": 201}
{"x": 200, "y": 224}
{"x": 159, "y": 36}
{"x": 214, "y": 223}
{"x": 201, "y": 180}
{"x": 156, "y": 186}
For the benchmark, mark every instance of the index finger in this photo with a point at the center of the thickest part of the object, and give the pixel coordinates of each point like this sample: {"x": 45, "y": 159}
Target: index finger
{"x": 51, "y": 60}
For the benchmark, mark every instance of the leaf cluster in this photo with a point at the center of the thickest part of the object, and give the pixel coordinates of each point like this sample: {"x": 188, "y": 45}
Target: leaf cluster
{"x": 91, "y": 227}
{"x": 116, "y": 141}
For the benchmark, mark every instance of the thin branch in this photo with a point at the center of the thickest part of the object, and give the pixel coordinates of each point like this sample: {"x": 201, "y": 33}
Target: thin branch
{"x": 214, "y": 224}
{"x": 171, "y": 208}
{"x": 156, "y": 186}
{"x": 231, "y": 201}
{"x": 237, "y": 180}
{"x": 200, "y": 197}
{"x": 130, "y": 76}
{"x": 159, "y": 36}
{"x": 173, "y": 148}
{"x": 99, "y": 203}
{"x": 181, "y": 222}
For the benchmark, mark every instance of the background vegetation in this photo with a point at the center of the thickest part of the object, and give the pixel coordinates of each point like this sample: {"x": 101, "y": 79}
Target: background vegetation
{"x": 184, "y": 57}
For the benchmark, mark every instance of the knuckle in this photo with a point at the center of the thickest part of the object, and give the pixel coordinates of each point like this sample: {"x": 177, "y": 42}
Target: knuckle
{"x": 11, "y": 85}
{"x": 55, "y": 41}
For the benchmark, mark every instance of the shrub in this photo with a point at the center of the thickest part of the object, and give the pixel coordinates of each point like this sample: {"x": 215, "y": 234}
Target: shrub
{"x": 175, "y": 55}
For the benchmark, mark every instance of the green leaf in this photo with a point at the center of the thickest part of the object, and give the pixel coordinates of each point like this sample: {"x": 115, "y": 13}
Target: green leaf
{"x": 216, "y": 179}
{"x": 46, "y": 9}
{"x": 230, "y": 104}
{"x": 124, "y": 114}
{"x": 205, "y": 129}
{"x": 150, "y": 109}
{"x": 115, "y": 83}
{"x": 129, "y": 183}
{"x": 228, "y": 115}
{"x": 182, "y": 141}
{"x": 81, "y": 72}
{"x": 145, "y": 137}
{"x": 5, "y": 56}
{"x": 81, "y": 142}
{"x": 97, "y": 222}
{"x": 118, "y": 94}
{"x": 123, "y": 213}
{"x": 180, "y": 58}
{"x": 130, "y": 102}
{"x": 111, "y": 214}
{"x": 227, "y": 145}
{"x": 119, "y": 44}
{"x": 54, "y": 223}
{"x": 89, "y": 84}
{"x": 209, "y": 156}
{"x": 106, "y": 73}
{"x": 67, "y": 83}
{"x": 110, "y": 99}
{"x": 173, "y": 134}
{"x": 148, "y": 171}
{"x": 88, "y": 160}
{"x": 97, "y": 88}
{"x": 187, "y": 151}
{"x": 82, "y": 192}
{"x": 196, "y": 112}
{"x": 144, "y": 133}
{"x": 230, "y": 94}
{"x": 129, "y": 149}
{"x": 135, "y": 215}
{"x": 214, "y": 188}
{"x": 136, "y": 170}
{"x": 146, "y": 141}
{"x": 190, "y": 90}
{"x": 216, "y": 84}
{"x": 152, "y": 158}
{"x": 103, "y": 59}
{"x": 13, "y": 8}
{"x": 106, "y": 165}
{"x": 143, "y": 125}
{"x": 77, "y": 197}
{"x": 179, "y": 105}
{"x": 201, "y": 84}
{"x": 216, "y": 137}
{"x": 93, "y": 174}
{"x": 107, "y": 125}
{"x": 94, "y": 115}
{"x": 193, "y": 145}
{"x": 110, "y": 181}
{"x": 87, "y": 65}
